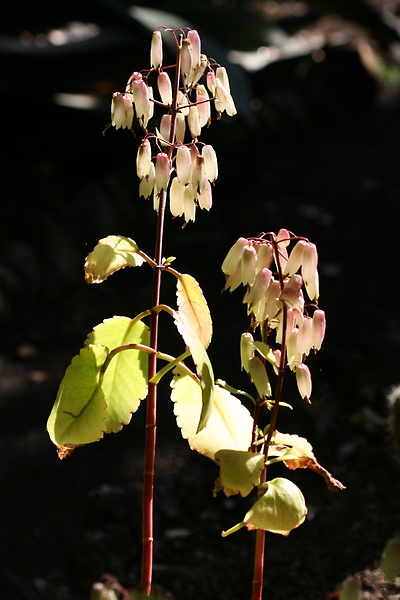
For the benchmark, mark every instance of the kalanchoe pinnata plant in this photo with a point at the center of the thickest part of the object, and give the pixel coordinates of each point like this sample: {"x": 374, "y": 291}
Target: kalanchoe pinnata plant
{"x": 121, "y": 362}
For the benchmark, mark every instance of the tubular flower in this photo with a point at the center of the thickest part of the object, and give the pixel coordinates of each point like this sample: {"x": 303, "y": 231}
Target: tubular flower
{"x": 194, "y": 122}
{"x": 318, "y": 328}
{"x": 303, "y": 380}
{"x": 295, "y": 258}
{"x": 164, "y": 87}
{"x": 176, "y": 195}
{"x": 224, "y": 100}
{"x": 248, "y": 265}
{"x": 121, "y": 111}
{"x": 163, "y": 167}
{"x": 195, "y": 43}
{"x": 156, "y": 50}
{"x": 204, "y": 197}
{"x": 211, "y": 163}
{"x": 259, "y": 377}
{"x": 234, "y": 256}
{"x": 146, "y": 185}
{"x": 183, "y": 164}
{"x": 309, "y": 270}
{"x": 143, "y": 159}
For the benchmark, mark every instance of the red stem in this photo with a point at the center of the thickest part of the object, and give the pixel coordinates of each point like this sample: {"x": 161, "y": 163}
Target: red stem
{"x": 151, "y": 411}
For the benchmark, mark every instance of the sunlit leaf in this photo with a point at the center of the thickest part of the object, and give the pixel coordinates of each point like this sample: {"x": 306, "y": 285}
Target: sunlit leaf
{"x": 111, "y": 254}
{"x": 193, "y": 307}
{"x": 229, "y": 425}
{"x": 87, "y": 406}
{"x": 239, "y": 471}
{"x": 125, "y": 381}
{"x": 203, "y": 366}
{"x": 281, "y": 509}
{"x": 79, "y": 413}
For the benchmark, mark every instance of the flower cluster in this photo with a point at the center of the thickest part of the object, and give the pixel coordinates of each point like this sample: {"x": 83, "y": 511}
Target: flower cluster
{"x": 181, "y": 165}
{"x": 274, "y": 279}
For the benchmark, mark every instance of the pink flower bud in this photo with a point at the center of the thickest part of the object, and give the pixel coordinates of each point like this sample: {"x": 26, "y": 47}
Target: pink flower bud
{"x": 204, "y": 198}
{"x": 163, "y": 168}
{"x": 143, "y": 159}
{"x": 234, "y": 256}
{"x": 246, "y": 350}
{"x": 210, "y": 81}
{"x": 194, "y": 122}
{"x": 165, "y": 87}
{"x": 309, "y": 270}
{"x": 259, "y": 376}
{"x": 303, "y": 380}
{"x": 195, "y": 42}
{"x": 146, "y": 185}
{"x": 121, "y": 111}
{"x": 248, "y": 265}
{"x": 156, "y": 50}
{"x": 295, "y": 258}
{"x": 176, "y": 195}
{"x": 318, "y": 328}
{"x": 186, "y": 58}
{"x": 211, "y": 163}
{"x": 165, "y": 127}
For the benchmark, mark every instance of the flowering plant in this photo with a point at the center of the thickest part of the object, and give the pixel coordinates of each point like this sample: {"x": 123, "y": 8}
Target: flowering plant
{"x": 119, "y": 364}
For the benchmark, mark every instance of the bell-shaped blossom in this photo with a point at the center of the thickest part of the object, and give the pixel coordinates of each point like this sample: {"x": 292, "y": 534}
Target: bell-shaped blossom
{"x": 164, "y": 87}
{"x": 222, "y": 75}
{"x": 309, "y": 270}
{"x": 289, "y": 323}
{"x": 144, "y": 108}
{"x": 248, "y": 264}
{"x": 199, "y": 69}
{"x": 204, "y": 197}
{"x": 210, "y": 81}
{"x": 121, "y": 111}
{"x": 294, "y": 357}
{"x": 183, "y": 164}
{"x": 198, "y": 172}
{"x": 224, "y": 100}
{"x": 304, "y": 338}
{"x": 163, "y": 168}
{"x": 195, "y": 43}
{"x": 318, "y": 328}
{"x": 176, "y": 196}
{"x": 211, "y": 163}
{"x": 203, "y": 105}
{"x": 146, "y": 185}
{"x": 259, "y": 377}
{"x": 271, "y": 302}
{"x": 295, "y": 258}
{"x": 165, "y": 128}
{"x": 233, "y": 258}
{"x": 246, "y": 350}
{"x": 189, "y": 203}
{"x": 264, "y": 255}
{"x": 234, "y": 279}
{"x": 156, "y": 50}
{"x": 194, "y": 122}
{"x": 143, "y": 159}
{"x": 259, "y": 287}
{"x": 180, "y": 127}
{"x": 303, "y": 380}
{"x": 183, "y": 103}
{"x": 292, "y": 293}
{"x": 186, "y": 58}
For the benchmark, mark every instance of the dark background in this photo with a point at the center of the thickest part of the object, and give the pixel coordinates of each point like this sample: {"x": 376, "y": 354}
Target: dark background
{"x": 315, "y": 149}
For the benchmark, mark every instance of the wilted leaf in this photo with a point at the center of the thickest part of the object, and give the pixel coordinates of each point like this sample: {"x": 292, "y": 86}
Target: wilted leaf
{"x": 239, "y": 471}
{"x": 111, "y": 254}
{"x": 193, "y": 308}
{"x": 229, "y": 425}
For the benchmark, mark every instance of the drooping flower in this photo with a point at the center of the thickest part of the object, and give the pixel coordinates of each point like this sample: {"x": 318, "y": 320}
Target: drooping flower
{"x": 121, "y": 111}
{"x": 156, "y": 50}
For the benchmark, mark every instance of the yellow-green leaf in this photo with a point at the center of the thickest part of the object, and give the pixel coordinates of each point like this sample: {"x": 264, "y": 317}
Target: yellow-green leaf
{"x": 193, "y": 307}
{"x": 229, "y": 425}
{"x": 111, "y": 254}
{"x": 391, "y": 559}
{"x": 239, "y": 471}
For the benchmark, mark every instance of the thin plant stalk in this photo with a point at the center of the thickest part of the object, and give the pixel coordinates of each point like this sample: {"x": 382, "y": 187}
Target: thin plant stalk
{"x": 151, "y": 410}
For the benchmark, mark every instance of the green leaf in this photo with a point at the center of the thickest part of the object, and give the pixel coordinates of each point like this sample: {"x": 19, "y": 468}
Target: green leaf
{"x": 89, "y": 405}
{"x": 229, "y": 425}
{"x": 111, "y": 254}
{"x": 193, "y": 307}
{"x": 239, "y": 471}
{"x": 391, "y": 559}
{"x": 203, "y": 366}
{"x": 79, "y": 413}
{"x": 125, "y": 381}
